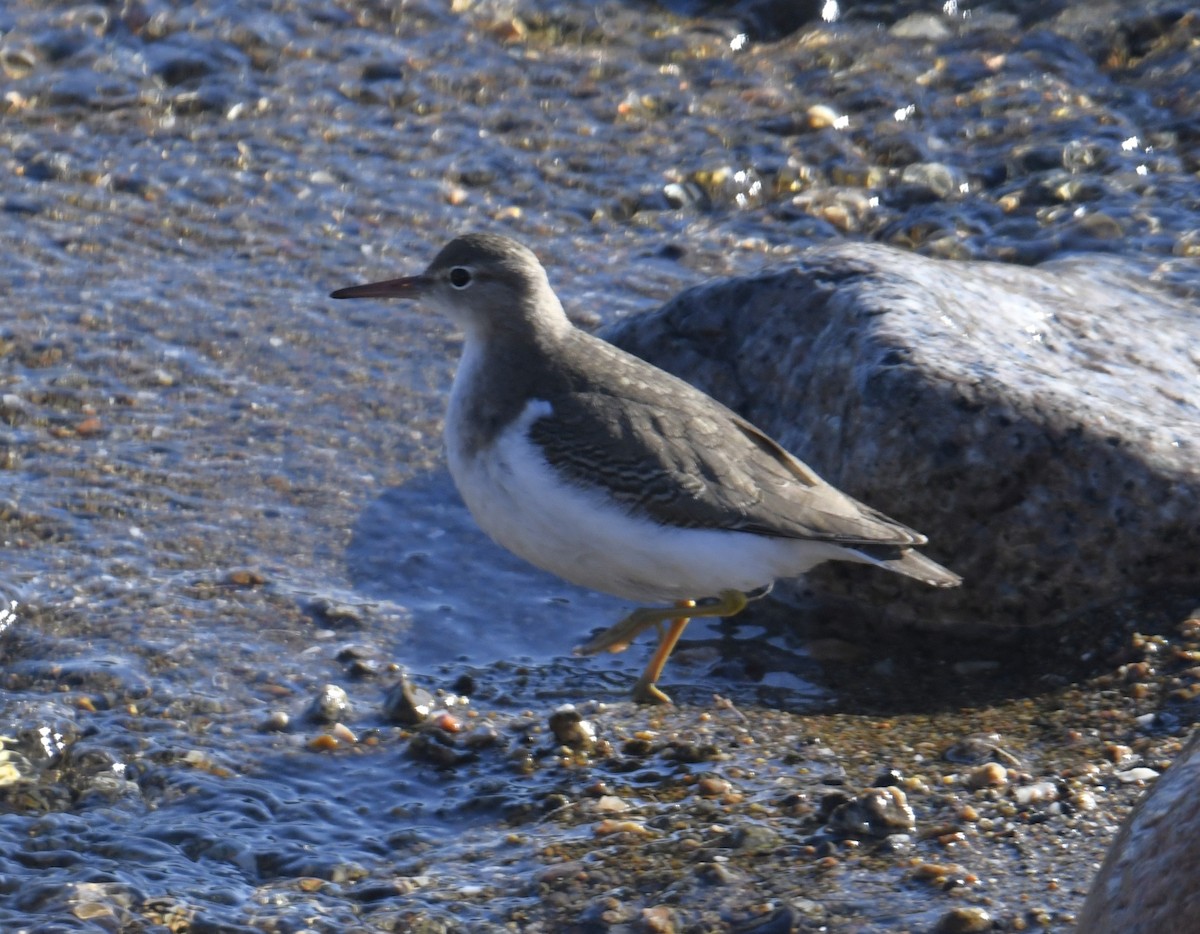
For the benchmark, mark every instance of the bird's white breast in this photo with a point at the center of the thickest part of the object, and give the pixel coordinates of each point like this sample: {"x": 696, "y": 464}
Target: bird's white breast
{"x": 592, "y": 540}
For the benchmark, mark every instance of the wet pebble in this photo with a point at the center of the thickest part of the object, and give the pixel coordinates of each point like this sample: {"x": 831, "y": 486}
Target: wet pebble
{"x": 360, "y": 661}
{"x": 988, "y": 775}
{"x": 436, "y": 747}
{"x": 245, "y": 577}
{"x": 1036, "y": 793}
{"x": 570, "y": 729}
{"x": 276, "y": 722}
{"x": 335, "y": 615}
{"x": 481, "y": 738}
{"x": 1140, "y": 774}
{"x": 610, "y": 826}
{"x": 931, "y": 181}
{"x": 329, "y": 706}
{"x": 406, "y": 703}
{"x": 711, "y": 787}
{"x": 749, "y": 838}
{"x": 876, "y": 812}
{"x": 964, "y": 921}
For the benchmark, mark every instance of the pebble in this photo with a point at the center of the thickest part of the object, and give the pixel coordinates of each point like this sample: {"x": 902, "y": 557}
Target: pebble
{"x": 276, "y": 722}
{"x": 709, "y": 787}
{"x": 1140, "y": 774}
{"x": 964, "y": 921}
{"x": 246, "y": 577}
{"x": 988, "y": 775}
{"x": 608, "y": 827}
{"x": 406, "y": 703}
{"x": 1037, "y": 793}
{"x": 329, "y": 706}
{"x": 571, "y": 730}
{"x": 876, "y": 812}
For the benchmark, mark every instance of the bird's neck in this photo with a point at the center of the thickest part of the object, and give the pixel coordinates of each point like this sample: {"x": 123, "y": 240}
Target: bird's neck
{"x": 498, "y": 373}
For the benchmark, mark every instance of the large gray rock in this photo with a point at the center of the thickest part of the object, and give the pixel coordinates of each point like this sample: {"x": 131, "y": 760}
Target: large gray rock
{"x": 1040, "y": 425}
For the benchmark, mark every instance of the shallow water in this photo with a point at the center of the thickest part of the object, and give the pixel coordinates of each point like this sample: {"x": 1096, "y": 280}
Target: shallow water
{"x": 222, "y": 491}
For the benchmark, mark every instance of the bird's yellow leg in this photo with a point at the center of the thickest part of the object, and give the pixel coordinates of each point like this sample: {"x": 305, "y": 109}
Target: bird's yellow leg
{"x": 646, "y": 691}
{"x": 617, "y": 638}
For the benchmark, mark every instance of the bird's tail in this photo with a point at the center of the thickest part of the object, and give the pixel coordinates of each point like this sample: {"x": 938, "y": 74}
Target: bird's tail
{"x": 914, "y": 564}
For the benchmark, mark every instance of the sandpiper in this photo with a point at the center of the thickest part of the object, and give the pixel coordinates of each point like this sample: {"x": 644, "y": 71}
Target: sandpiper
{"x": 617, "y": 476}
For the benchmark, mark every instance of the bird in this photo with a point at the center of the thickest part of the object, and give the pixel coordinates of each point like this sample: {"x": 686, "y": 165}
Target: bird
{"x": 617, "y": 476}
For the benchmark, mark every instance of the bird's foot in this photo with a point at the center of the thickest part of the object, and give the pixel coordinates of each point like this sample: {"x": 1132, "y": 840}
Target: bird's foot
{"x": 647, "y": 692}
{"x": 617, "y": 638}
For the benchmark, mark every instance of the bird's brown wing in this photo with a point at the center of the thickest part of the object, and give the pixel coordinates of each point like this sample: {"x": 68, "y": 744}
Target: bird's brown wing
{"x": 673, "y": 454}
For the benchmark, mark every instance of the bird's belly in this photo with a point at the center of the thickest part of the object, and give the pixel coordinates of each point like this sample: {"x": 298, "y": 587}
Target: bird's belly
{"x": 593, "y": 541}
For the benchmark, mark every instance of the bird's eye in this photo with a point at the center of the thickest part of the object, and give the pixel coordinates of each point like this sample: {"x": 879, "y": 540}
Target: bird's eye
{"x": 460, "y": 277}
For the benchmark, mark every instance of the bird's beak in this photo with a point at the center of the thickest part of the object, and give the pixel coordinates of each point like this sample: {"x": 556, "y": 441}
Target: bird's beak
{"x": 405, "y": 287}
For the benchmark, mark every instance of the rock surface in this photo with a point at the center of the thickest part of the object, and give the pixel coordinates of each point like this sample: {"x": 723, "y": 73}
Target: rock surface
{"x": 1040, "y": 425}
{"x": 1148, "y": 881}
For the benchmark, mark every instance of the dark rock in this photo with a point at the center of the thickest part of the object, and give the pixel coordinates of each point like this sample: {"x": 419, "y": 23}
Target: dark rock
{"x": 1148, "y": 881}
{"x": 1038, "y": 425}
{"x": 407, "y": 704}
{"x": 570, "y": 729}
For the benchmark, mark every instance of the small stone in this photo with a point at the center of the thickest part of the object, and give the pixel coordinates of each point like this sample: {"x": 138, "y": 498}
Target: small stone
{"x": 335, "y": 615}
{"x": 1037, "y": 793}
{"x": 609, "y": 827}
{"x": 988, "y": 775}
{"x": 407, "y": 704}
{"x": 749, "y": 838}
{"x": 928, "y": 27}
{"x": 329, "y": 706}
{"x": 786, "y": 919}
{"x": 719, "y": 873}
{"x": 343, "y": 733}
{"x": 611, "y": 804}
{"x": 89, "y": 427}
{"x": 436, "y": 748}
{"x": 91, "y": 911}
{"x": 877, "y": 812}
{"x": 963, "y": 921}
{"x": 939, "y": 873}
{"x": 822, "y": 116}
{"x": 932, "y": 180}
{"x": 481, "y": 737}
{"x": 1142, "y": 774}
{"x": 553, "y": 874}
{"x": 658, "y": 919}
{"x": 570, "y": 729}
{"x": 277, "y": 721}
{"x": 446, "y": 722}
{"x": 713, "y": 787}
{"x": 245, "y": 577}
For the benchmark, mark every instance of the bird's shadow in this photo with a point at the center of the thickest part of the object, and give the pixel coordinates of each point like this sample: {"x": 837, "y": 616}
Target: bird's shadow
{"x": 416, "y": 545}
